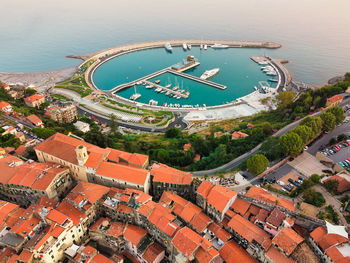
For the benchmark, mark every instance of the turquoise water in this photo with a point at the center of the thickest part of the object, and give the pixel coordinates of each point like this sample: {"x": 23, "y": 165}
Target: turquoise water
{"x": 36, "y": 35}
{"x": 237, "y": 71}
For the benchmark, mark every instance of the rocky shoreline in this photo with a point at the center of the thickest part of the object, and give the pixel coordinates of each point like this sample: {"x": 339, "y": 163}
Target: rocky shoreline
{"x": 38, "y": 79}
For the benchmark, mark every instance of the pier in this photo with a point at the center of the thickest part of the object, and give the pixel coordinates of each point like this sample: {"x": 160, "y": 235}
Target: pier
{"x": 175, "y": 92}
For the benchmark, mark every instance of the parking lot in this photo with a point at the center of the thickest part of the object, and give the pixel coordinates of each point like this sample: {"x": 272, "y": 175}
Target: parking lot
{"x": 338, "y": 152}
{"x": 285, "y": 184}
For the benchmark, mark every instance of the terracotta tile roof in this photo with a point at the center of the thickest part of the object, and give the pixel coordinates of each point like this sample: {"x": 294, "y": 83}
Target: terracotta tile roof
{"x": 24, "y": 227}
{"x": 6, "y": 253}
{"x": 34, "y": 119}
{"x": 124, "y": 173}
{"x": 152, "y": 252}
{"x": 56, "y": 231}
{"x": 166, "y": 174}
{"x": 100, "y": 258}
{"x": 336, "y": 256}
{"x": 4, "y": 104}
{"x": 116, "y": 229}
{"x": 330, "y": 240}
{"x": 63, "y": 147}
{"x": 12, "y": 218}
{"x": 34, "y": 97}
{"x": 219, "y": 232}
{"x": 287, "y": 240}
{"x": 21, "y": 150}
{"x": 231, "y": 252}
{"x": 240, "y": 206}
{"x": 249, "y": 231}
{"x": 206, "y": 256}
{"x": 343, "y": 183}
{"x": 263, "y": 195}
{"x": 134, "y": 234}
{"x": 276, "y": 217}
{"x": 94, "y": 159}
{"x": 335, "y": 98}
{"x": 187, "y": 241}
{"x": 200, "y": 222}
{"x": 238, "y": 135}
{"x": 262, "y": 215}
{"x": 187, "y": 146}
{"x": 73, "y": 213}
{"x": 7, "y": 169}
{"x": 6, "y": 209}
{"x": 276, "y": 256}
{"x": 147, "y": 208}
{"x": 57, "y": 216}
{"x": 318, "y": 233}
{"x": 204, "y": 188}
{"x": 96, "y": 225}
{"x": 124, "y": 209}
{"x": 189, "y": 211}
{"x": 162, "y": 218}
{"x": 87, "y": 191}
{"x": 220, "y": 196}
{"x": 229, "y": 213}
{"x": 131, "y": 158}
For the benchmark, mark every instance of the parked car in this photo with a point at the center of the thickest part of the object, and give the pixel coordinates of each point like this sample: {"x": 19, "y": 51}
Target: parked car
{"x": 341, "y": 164}
{"x": 280, "y": 183}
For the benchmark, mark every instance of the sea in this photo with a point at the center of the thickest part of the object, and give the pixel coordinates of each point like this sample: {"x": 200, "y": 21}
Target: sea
{"x": 37, "y": 35}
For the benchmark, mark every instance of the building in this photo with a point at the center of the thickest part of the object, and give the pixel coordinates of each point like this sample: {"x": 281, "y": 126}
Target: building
{"x": 274, "y": 221}
{"x": 251, "y": 237}
{"x": 63, "y": 114}
{"x": 35, "y": 100}
{"x": 331, "y": 243}
{"x": 35, "y": 120}
{"x": 82, "y": 126}
{"x": 5, "y": 107}
{"x": 188, "y": 246}
{"x": 84, "y": 159}
{"x": 343, "y": 180}
{"x": 215, "y": 200}
{"x": 333, "y": 101}
{"x": 26, "y": 183}
{"x": 165, "y": 178}
{"x": 287, "y": 240}
{"x": 238, "y": 135}
{"x": 231, "y": 252}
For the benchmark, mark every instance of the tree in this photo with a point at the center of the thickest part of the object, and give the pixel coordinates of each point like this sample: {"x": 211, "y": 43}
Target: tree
{"x": 329, "y": 121}
{"x": 331, "y": 186}
{"x": 284, "y": 99}
{"x": 342, "y": 137}
{"x": 257, "y": 164}
{"x": 315, "y": 123}
{"x": 44, "y": 132}
{"x": 312, "y": 197}
{"x": 338, "y": 113}
{"x": 113, "y": 123}
{"x": 291, "y": 143}
{"x": 173, "y": 133}
{"x": 271, "y": 148}
{"x": 304, "y": 132}
{"x": 315, "y": 178}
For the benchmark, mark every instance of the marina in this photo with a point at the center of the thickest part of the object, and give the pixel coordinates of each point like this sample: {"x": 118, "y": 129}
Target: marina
{"x": 236, "y": 77}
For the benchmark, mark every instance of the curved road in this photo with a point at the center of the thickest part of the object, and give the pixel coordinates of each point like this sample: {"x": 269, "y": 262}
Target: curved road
{"x": 235, "y": 162}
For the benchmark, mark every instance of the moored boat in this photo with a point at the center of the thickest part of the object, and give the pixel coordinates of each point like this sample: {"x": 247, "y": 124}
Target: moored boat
{"x": 209, "y": 73}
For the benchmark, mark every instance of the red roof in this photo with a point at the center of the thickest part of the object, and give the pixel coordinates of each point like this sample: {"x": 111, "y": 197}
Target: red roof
{"x": 162, "y": 218}
{"x": 263, "y": 195}
{"x": 325, "y": 240}
{"x": 219, "y": 232}
{"x": 277, "y": 256}
{"x": 287, "y": 240}
{"x": 187, "y": 146}
{"x": 100, "y": 258}
{"x": 57, "y": 216}
{"x": 124, "y": 173}
{"x": 131, "y": 158}
{"x": 34, "y": 119}
{"x": 134, "y": 234}
{"x": 249, "y": 231}
{"x": 34, "y": 97}
{"x": 220, "y": 196}
{"x": 238, "y": 135}
{"x": 276, "y": 217}
{"x": 4, "y": 104}
{"x": 335, "y": 98}
{"x": 166, "y": 174}
{"x": 240, "y": 206}
{"x": 231, "y": 252}
{"x": 153, "y": 252}
{"x": 343, "y": 184}
{"x": 204, "y": 188}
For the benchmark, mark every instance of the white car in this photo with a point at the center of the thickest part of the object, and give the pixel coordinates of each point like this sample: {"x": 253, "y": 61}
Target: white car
{"x": 280, "y": 183}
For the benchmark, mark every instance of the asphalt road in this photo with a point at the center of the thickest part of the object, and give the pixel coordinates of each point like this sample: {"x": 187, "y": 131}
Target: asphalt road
{"x": 234, "y": 163}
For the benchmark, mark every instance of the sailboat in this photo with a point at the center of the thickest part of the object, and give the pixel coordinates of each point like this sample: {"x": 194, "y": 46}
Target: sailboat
{"x": 136, "y": 95}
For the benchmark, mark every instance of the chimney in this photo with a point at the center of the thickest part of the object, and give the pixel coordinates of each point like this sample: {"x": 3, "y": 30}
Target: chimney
{"x": 82, "y": 154}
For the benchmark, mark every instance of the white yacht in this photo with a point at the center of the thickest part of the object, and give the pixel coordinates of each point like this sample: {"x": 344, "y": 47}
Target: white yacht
{"x": 201, "y": 46}
{"x": 209, "y": 73}
{"x": 153, "y": 102}
{"x": 189, "y": 46}
{"x": 149, "y": 86}
{"x": 205, "y": 47}
{"x": 168, "y": 47}
{"x": 157, "y": 81}
{"x": 216, "y": 45}
{"x": 168, "y": 86}
{"x": 135, "y": 96}
{"x": 158, "y": 89}
{"x": 184, "y": 46}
